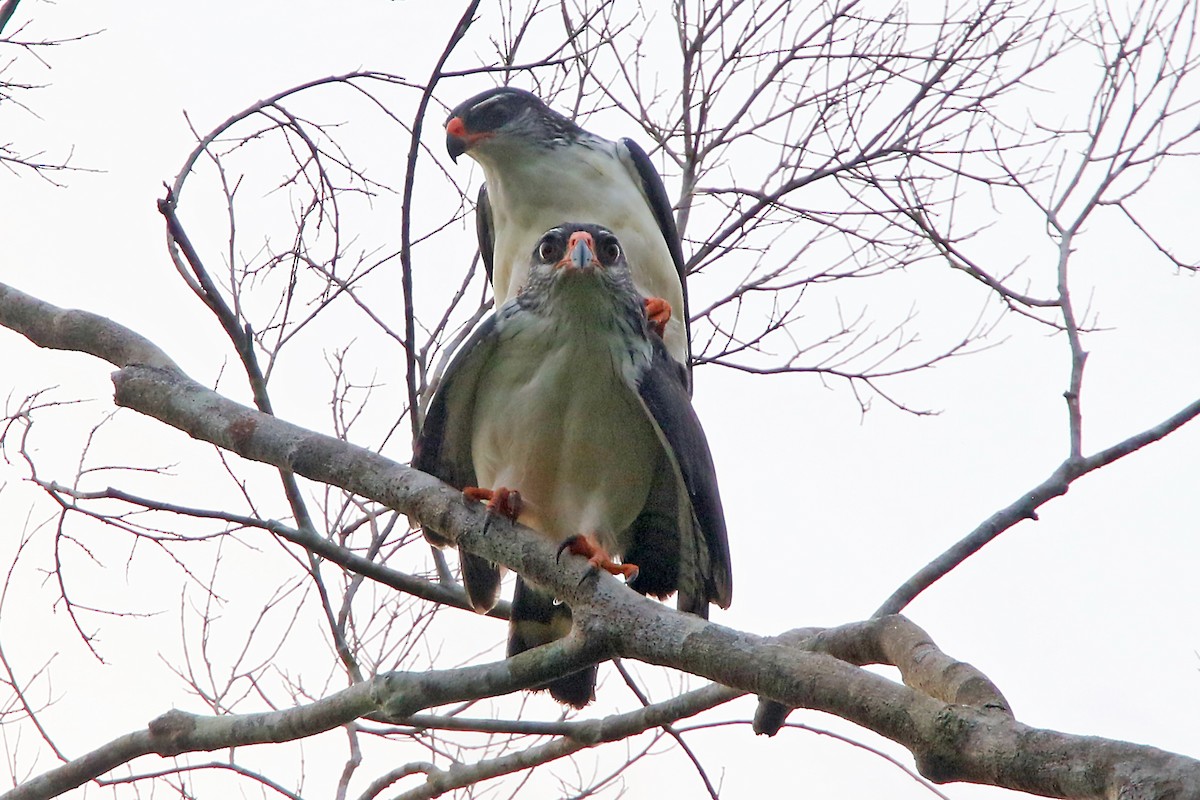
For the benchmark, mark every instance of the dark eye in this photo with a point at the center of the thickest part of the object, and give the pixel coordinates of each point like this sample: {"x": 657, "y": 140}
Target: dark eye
{"x": 610, "y": 250}
{"x": 491, "y": 115}
{"x": 550, "y": 249}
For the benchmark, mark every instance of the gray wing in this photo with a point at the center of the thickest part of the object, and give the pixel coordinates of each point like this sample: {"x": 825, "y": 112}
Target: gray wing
{"x": 484, "y": 230}
{"x": 660, "y": 206}
{"x": 444, "y": 449}
{"x": 684, "y": 525}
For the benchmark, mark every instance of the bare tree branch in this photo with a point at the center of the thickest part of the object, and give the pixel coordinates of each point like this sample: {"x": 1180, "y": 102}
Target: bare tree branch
{"x": 1026, "y": 506}
{"x": 948, "y": 714}
{"x": 835, "y": 166}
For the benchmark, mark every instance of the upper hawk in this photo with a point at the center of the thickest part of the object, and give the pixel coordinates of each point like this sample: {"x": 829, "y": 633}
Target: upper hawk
{"x": 541, "y": 168}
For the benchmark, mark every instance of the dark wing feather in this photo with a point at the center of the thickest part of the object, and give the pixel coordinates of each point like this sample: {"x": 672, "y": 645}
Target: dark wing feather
{"x": 660, "y": 206}
{"x": 444, "y": 449}
{"x": 484, "y": 231}
{"x": 667, "y": 401}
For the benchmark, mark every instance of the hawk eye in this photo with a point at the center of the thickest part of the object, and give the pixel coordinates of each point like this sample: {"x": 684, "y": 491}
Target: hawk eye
{"x": 491, "y": 114}
{"x": 550, "y": 249}
{"x": 610, "y": 250}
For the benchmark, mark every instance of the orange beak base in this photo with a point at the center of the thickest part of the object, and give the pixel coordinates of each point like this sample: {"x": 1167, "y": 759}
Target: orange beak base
{"x": 581, "y": 252}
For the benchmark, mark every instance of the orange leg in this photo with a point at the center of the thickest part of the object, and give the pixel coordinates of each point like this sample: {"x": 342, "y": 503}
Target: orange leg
{"x": 658, "y": 311}
{"x": 590, "y": 549}
{"x": 502, "y": 502}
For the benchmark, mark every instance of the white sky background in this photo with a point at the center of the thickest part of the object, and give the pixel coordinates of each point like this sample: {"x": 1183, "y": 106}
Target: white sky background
{"x": 1086, "y": 620}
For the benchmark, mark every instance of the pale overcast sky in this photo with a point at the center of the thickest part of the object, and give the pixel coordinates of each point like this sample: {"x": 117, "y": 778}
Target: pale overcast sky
{"x": 1085, "y": 619}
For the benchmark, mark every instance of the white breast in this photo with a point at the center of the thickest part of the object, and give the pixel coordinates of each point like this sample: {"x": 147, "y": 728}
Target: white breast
{"x": 531, "y": 195}
{"x": 558, "y": 420}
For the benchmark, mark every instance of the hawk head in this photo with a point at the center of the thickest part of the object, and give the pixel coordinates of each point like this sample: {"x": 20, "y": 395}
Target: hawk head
{"x": 506, "y": 116}
{"x": 575, "y": 261}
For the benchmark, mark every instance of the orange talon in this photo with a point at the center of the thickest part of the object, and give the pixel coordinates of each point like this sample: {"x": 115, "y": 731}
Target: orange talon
{"x": 658, "y": 311}
{"x": 501, "y": 502}
{"x": 590, "y": 549}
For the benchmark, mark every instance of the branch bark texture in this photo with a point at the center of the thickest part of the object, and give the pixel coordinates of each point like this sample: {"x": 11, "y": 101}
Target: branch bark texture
{"x": 955, "y": 722}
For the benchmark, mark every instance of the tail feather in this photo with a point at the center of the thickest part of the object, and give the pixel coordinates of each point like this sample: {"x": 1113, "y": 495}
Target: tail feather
{"x": 481, "y": 579}
{"x": 536, "y": 620}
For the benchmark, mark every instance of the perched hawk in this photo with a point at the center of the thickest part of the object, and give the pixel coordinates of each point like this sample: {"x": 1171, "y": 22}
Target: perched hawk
{"x": 540, "y": 167}
{"x": 566, "y": 412}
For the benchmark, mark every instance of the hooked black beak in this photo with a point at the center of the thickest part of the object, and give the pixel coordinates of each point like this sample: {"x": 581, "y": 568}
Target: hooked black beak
{"x": 456, "y": 138}
{"x": 455, "y": 147}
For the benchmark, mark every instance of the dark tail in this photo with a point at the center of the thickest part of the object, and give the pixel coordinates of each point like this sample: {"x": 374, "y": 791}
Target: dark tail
{"x": 536, "y": 620}
{"x": 481, "y": 579}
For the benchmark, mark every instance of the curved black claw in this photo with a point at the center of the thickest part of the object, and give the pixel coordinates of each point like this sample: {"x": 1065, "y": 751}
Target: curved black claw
{"x": 566, "y": 544}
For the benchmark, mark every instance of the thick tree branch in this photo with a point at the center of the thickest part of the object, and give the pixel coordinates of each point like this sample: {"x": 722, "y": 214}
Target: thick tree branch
{"x": 55, "y": 328}
{"x": 392, "y": 695}
{"x": 979, "y": 742}
{"x": 770, "y": 716}
{"x": 578, "y": 736}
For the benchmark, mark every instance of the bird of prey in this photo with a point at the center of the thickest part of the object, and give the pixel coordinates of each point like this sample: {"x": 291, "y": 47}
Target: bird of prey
{"x": 566, "y": 412}
{"x": 539, "y": 168}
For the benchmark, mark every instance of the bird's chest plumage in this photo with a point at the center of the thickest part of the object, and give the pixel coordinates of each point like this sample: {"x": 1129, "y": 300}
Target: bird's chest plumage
{"x": 558, "y": 420}
{"x": 531, "y": 194}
